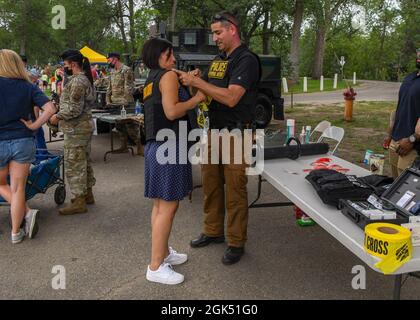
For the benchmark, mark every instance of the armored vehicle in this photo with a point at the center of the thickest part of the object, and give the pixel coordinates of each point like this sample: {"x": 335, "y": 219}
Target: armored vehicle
{"x": 194, "y": 48}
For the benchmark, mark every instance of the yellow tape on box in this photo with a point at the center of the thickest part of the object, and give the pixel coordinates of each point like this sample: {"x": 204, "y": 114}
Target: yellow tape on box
{"x": 390, "y": 242}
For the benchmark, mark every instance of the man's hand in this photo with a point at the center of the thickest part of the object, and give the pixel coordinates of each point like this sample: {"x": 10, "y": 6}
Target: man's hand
{"x": 195, "y": 73}
{"x": 387, "y": 142}
{"x": 186, "y": 79}
{"x": 405, "y": 146}
{"x": 54, "y": 120}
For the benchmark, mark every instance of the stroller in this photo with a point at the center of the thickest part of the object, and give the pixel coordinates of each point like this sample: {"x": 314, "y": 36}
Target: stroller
{"x": 47, "y": 171}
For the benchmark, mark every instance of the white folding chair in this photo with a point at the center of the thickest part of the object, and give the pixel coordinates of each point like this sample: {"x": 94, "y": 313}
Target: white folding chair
{"x": 320, "y": 128}
{"x": 332, "y": 133}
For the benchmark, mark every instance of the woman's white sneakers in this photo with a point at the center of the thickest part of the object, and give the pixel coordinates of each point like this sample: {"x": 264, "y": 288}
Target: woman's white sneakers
{"x": 174, "y": 258}
{"x": 166, "y": 274}
{"x": 31, "y": 223}
{"x": 18, "y": 238}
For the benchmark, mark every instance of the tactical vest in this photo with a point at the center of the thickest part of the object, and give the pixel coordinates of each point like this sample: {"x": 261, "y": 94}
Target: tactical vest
{"x": 154, "y": 115}
{"x": 219, "y": 74}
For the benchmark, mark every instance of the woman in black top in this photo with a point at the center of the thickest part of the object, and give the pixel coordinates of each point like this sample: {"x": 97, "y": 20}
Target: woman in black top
{"x": 167, "y": 107}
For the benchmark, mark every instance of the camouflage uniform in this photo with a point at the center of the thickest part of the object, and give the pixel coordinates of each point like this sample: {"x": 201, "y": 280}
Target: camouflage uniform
{"x": 75, "y": 117}
{"x": 121, "y": 87}
{"x": 120, "y": 91}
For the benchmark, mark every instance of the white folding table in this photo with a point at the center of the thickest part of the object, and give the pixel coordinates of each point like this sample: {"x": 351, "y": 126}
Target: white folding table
{"x": 288, "y": 177}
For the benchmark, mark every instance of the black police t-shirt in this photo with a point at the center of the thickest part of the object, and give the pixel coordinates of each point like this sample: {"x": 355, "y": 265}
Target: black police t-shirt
{"x": 246, "y": 72}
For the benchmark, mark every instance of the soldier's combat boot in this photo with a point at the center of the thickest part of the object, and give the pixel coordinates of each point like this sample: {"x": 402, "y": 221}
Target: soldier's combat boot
{"x": 90, "y": 199}
{"x": 78, "y": 206}
{"x": 140, "y": 150}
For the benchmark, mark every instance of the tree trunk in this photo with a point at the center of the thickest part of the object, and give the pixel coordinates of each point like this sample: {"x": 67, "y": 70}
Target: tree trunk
{"x": 318, "y": 69}
{"x": 120, "y": 23}
{"x": 295, "y": 45}
{"x": 132, "y": 31}
{"x": 266, "y": 35}
{"x": 173, "y": 16}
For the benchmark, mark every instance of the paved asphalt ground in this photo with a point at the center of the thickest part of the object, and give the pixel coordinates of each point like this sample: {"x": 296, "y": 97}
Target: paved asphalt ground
{"x": 105, "y": 252}
{"x": 366, "y": 91}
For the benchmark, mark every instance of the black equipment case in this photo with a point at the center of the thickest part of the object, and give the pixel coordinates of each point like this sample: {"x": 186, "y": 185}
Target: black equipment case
{"x": 391, "y": 199}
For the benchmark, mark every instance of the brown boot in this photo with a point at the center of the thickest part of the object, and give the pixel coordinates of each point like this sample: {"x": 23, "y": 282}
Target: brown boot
{"x": 90, "y": 199}
{"x": 78, "y": 206}
{"x": 140, "y": 150}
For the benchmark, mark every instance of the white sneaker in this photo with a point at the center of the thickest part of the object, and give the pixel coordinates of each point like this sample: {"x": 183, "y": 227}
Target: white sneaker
{"x": 31, "y": 224}
{"x": 174, "y": 258}
{"x": 165, "y": 274}
{"x": 18, "y": 238}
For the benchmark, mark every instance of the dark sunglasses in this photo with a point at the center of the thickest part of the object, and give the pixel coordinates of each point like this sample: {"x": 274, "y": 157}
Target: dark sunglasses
{"x": 219, "y": 17}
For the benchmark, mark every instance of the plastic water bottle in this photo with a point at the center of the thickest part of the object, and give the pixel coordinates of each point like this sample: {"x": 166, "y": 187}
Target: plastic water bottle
{"x": 123, "y": 112}
{"x": 138, "y": 109}
{"x": 302, "y": 137}
{"x": 308, "y": 134}
{"x": 290, "y": 128}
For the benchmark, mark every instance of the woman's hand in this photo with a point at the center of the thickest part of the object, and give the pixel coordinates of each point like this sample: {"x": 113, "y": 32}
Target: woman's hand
{"x": 200, "y": 96}
{"x": 29, "y": 124}
{"x": 49, "y": 111}
{"x": 54, "y": 120}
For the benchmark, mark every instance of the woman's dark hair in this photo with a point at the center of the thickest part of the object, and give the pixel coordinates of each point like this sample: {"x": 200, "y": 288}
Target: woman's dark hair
{"x": 81, "y": 60}
{"x": 152, "y": 50}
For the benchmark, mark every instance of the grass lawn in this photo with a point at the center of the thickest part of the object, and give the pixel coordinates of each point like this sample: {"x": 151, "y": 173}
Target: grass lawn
{"x": 314, "y": 86}
{"x": 366, "y": 131}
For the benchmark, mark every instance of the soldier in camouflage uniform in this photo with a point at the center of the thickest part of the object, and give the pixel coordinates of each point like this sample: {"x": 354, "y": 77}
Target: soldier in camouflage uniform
{"x": 120, "y": 92}
{"x": 75, "y": 121}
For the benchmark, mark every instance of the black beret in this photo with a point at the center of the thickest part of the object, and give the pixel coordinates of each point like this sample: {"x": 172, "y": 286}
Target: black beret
{"x": 114, "y": 55}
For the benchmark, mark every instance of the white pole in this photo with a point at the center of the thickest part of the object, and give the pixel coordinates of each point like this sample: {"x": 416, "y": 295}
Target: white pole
{"x": 305, "y": 84}
{"x": 335, "y": 81}
{"x": 354, "y": 78}
{"x": 322, "y": 83}
{"x": 285, "y": 86}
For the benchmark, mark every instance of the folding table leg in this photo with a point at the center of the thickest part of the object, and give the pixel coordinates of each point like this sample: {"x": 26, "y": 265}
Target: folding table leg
{"x": 397, "y": 287}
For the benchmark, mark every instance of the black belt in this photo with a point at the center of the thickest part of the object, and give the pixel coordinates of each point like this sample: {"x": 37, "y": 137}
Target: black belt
{"x": 238, "y": 126}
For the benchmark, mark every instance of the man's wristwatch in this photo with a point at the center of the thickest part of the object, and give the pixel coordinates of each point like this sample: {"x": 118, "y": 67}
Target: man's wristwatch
{"x": 412, "y": 138}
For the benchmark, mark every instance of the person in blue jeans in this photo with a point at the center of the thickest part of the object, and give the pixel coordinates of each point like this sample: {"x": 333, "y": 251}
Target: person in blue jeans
{"x": 17, "y": 144}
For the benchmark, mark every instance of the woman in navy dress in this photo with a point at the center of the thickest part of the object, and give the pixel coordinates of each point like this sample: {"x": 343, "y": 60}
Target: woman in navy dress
{"x": 168, "y": 180}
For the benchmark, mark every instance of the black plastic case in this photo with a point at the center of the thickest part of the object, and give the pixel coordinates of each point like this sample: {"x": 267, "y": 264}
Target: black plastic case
{"x": 409, "y": 180}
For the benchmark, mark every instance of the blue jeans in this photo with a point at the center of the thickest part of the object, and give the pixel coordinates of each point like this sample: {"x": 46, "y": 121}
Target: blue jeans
{"x": 18, "y": 150}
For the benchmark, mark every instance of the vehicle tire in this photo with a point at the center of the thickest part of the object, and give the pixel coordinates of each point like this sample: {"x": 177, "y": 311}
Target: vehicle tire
{"x": 264, "y": 111}
{"x": 60, "y": 195}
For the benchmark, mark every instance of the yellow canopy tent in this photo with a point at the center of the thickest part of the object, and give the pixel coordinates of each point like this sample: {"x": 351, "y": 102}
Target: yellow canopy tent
{"x": 93, "y": 56}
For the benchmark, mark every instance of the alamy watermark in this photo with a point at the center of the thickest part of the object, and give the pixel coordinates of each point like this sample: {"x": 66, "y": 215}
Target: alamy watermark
{"x": 359, "y": 280}
{"x": 58, "y": 282}
{"x": 58, "y": 22}
{"x": 212, "y": 147}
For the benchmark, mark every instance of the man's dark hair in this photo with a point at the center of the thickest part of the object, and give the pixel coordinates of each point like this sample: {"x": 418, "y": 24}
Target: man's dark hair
{"x": 24, "y": 58}
{"x": 226, "y": 18}
{"x": 74, "y": 55}
{"x": 152, "y": 50}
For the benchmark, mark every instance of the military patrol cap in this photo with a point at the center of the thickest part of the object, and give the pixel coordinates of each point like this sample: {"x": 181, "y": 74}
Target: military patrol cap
{"x": 114, "y": 55}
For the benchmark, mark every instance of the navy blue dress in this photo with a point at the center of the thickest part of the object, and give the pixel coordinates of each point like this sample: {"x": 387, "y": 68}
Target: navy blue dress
{"x": 171, "y": 181}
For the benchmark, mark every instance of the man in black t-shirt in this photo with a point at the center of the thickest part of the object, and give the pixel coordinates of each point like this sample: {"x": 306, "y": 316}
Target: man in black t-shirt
{"x": 231, "y": 87}
{"x": 405, "y": 141}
